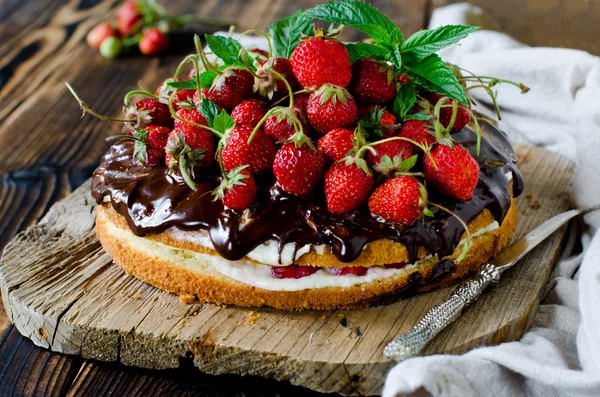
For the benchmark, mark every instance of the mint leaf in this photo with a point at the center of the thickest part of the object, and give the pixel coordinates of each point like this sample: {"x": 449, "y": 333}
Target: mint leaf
{"x": 228, "y": 49}
{"x": 364, "y": 50}
{"x": 223, "y": 122}
{"x": 361, "y": 16}
{"x": 405, "y": 100}
{"x": 210, "y": 111}
{"x": 410, "y": 162}
{"x": 207, "y": 78}
{"x": 433, "y": 74}
{"x": 426, "y": 42}
{"x": 419, "y": 116}
{"x": 286, "y": 33}
{"x": 183, "y": 85}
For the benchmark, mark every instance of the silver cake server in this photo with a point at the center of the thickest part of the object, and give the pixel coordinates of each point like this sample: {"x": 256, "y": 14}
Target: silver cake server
{"x": 439, "y": 317}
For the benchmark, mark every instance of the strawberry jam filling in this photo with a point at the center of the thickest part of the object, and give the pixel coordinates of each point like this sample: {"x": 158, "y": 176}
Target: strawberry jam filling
{"x": 152, "y": 201}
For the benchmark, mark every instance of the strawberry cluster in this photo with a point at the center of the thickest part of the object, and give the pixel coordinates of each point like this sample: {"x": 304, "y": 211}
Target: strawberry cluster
{"x": 364, "y": 124}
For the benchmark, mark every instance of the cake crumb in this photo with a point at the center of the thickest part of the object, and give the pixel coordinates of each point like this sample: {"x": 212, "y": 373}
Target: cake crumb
{"x": 534, "y": 205}
{"x": 341, "y": 315}
{"x": 323, "y": 318}
{"x": 286, "y": 324}
{"x": 529, "y": 196}
{"x": 137, "y": 296}
{"x": 187, "y": 298}
{"x": 252, "y": 318}
{"x": 137, "y": 310}
{"x": 195, "y": 313}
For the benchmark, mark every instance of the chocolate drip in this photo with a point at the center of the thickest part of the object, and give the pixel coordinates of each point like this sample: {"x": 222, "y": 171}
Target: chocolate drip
{"x": 152, "y": 201}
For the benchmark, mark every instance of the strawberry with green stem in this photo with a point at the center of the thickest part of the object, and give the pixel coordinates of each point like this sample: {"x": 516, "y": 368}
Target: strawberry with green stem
{"x": 237, "y": 189}
{"x": 379, "y": 122}
{"x": 330, "y": 107}
{"x": 183, "y": 158}
{"x": 337, "y": 143}
{"x": 149, "y": 147}
{"x": 373, "y": 82}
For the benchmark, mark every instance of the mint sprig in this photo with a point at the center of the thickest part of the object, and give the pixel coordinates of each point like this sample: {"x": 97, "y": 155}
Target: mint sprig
{"x": 405, "y": 100}
{"x": 363, "y": 50}
{"x": 426, "y": 42}
{"x": 223, "y": 122}
{"x": 228, "y": 50}
{"x": 287, "y": 33}
{"x": 210, "y": 111}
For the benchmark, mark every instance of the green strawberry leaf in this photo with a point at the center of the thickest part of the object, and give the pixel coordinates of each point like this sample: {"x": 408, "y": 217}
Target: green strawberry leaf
{"x": 410, "y": 162}
{"x": 229, "y": 50}
{"x": 427, "y": 42}
{"x": 405, "y": 100}
{"x": 183, "y": 85}
{"x": 419, "y": 116}
{"x": 363, "y": 50}
{"x": 207, "y": 78}
{"x": 361, "y": 16}
{"x": 223, "y": 122}
{"x": 287, "y": 33}
{"x": 210, "y": 111}
{"x": 433, "y": 74}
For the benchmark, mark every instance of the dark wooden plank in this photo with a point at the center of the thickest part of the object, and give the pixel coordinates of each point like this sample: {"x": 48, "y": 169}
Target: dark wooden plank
{"x": 572, "y": 24}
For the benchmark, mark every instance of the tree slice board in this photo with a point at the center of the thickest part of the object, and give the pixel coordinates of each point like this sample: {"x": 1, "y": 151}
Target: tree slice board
{"x": 63, "y": 292}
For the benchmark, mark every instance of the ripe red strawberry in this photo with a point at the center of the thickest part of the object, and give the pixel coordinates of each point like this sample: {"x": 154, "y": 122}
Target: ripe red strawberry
{"x": 336, "y": 144}
{"x": 129, "y": 18}
{"x": 269, "y": 86}
{"x": 249, "y": 112}
{"x": 230, "y": 88}
{"x": 347, "y": 187}
{"x": 399, "y": 200}
{"x": 153, "y": 42}
{"x": 237, "y": 190}
{"x": 396, "y": 152}
{"x": 102, "y": 31}
{"x": 457, "y": 174}
{"x": 258, "y": 155}
{"x": 419, "y": 131}
{"x": 462, "y": 114}
{"x": 292, "y": 271}
{"x": 372, "y": 82}
{"x": 150, "y": 144}
{"x": 196, "y": 137}
{"x": 301, "y": 102}
{"x": 187, "y": 155}
{"x": 403, "y": 79}
{"x": 388, "y": 119}
{"x": 182, "y": 98}
{"x": 281, "y": 126}
{"x": 158, "y": 112}
{"x": 349, "y": 270}
{"x": 330, "y": 107}
{"x": 320, "y": 60}
{"x": 298, "y": 169}
{"x": 378, "y": 122}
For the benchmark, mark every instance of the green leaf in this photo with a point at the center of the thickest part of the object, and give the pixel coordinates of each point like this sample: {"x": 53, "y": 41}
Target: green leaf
{"x": 410, "y": 162}
{"x": 207, "y": 78}
{"x": 361, "y": 16}
{"x": 210, "y": 111}
{"x": 395, "y": 58}
{"x": 426, "y": 42}
{"x": 405, "y": 100}
{"x": 183, "y": 85}
{"x": 225, "y": 48}
{"x": 419, "y": 116}
{"x": 364, "y": 50}
{"x": 433, "y": 74}
{"x": 223, "y": 122}
{"x": 286, "y": 33}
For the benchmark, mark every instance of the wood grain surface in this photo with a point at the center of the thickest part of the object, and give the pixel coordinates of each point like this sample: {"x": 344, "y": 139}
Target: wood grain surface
{"x": 46, "y": 151}
{"x": 62, "y": 291}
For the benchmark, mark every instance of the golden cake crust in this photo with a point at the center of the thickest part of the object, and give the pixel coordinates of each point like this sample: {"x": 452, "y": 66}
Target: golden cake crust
{"x": 209, "y": 285}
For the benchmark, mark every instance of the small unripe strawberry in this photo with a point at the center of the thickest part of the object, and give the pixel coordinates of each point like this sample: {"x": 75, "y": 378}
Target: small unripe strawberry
{"x": 153, "y": 42}
{"x": 111, "y": 47}
{"x": 101, "y": 32}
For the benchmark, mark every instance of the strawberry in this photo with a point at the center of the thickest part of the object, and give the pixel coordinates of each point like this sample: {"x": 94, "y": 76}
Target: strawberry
{"x": 129, "y": 18}
{"x": 378, "y": 122}
{"x": 153, "y": 42}
{"x": 390, "y": 156}
{"x": 420, "y": 131}
{"x": 347, "y": 186}
{"x": 292, "y": 271}
{"x": 258, "y": 155}
{"x": 457, "y": 173}
{"x": 399, "y": 200}
{"x": 249, "y": 112}
{"x": 462, "y": 113}
{"x": 321, "y": 60}
{"x": 349, "y": 270}
{"x": 230, "y": 88}
{"x": 372, "y": 82}
{"x": 260, "y": 55}
{"x": 269, "y": 86}
{"x": 182, "y": 98}
{"x": 159, "y": 112}
{"x": 237, "y": 190}
{"x": 388, "y": 119}
{"x": 283, "y": 123}
{"x": 336, "y": 144}
{"x": 102, "y": 31}
{"x": 403, "y": 79}
{"x": 186, "y": 156}
{"x": 150, "y": 144}
{"x": 298, "y": 168}
{"x": 196, "y": 137}
{"x": 301, "y": 102}
{"x": 330, "y": 107}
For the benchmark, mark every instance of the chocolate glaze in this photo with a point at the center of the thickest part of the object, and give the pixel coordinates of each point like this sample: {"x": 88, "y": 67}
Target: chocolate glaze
{"x": 152, "y": 201}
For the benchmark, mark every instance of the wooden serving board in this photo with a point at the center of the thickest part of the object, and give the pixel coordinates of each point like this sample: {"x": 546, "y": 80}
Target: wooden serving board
{"x": 63, "y": 292}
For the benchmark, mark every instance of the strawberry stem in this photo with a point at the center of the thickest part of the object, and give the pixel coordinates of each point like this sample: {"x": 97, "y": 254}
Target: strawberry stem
{"x": 205, "y": 62}
{"x": 139, "y": 92}
{"x": 86, "y": 109}
{"x": 463, "y": 254}
{"x": 289, "y": 88}
{"x": 178, "y": 117}
{"x": 184, "y": 170}
{"x": 261, "y": 33}
{"x": 185, "y": 60}
{"x": 424, "y": 148}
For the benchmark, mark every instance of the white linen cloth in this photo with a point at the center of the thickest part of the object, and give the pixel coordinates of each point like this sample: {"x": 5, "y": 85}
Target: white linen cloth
{"x": 560, "y": 355}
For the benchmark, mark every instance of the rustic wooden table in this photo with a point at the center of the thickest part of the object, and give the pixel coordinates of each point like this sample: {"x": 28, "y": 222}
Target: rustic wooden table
{"x": 46, "y": 151}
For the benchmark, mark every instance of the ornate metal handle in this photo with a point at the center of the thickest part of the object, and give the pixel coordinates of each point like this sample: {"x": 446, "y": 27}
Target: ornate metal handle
{"x": 439, "y": 317}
